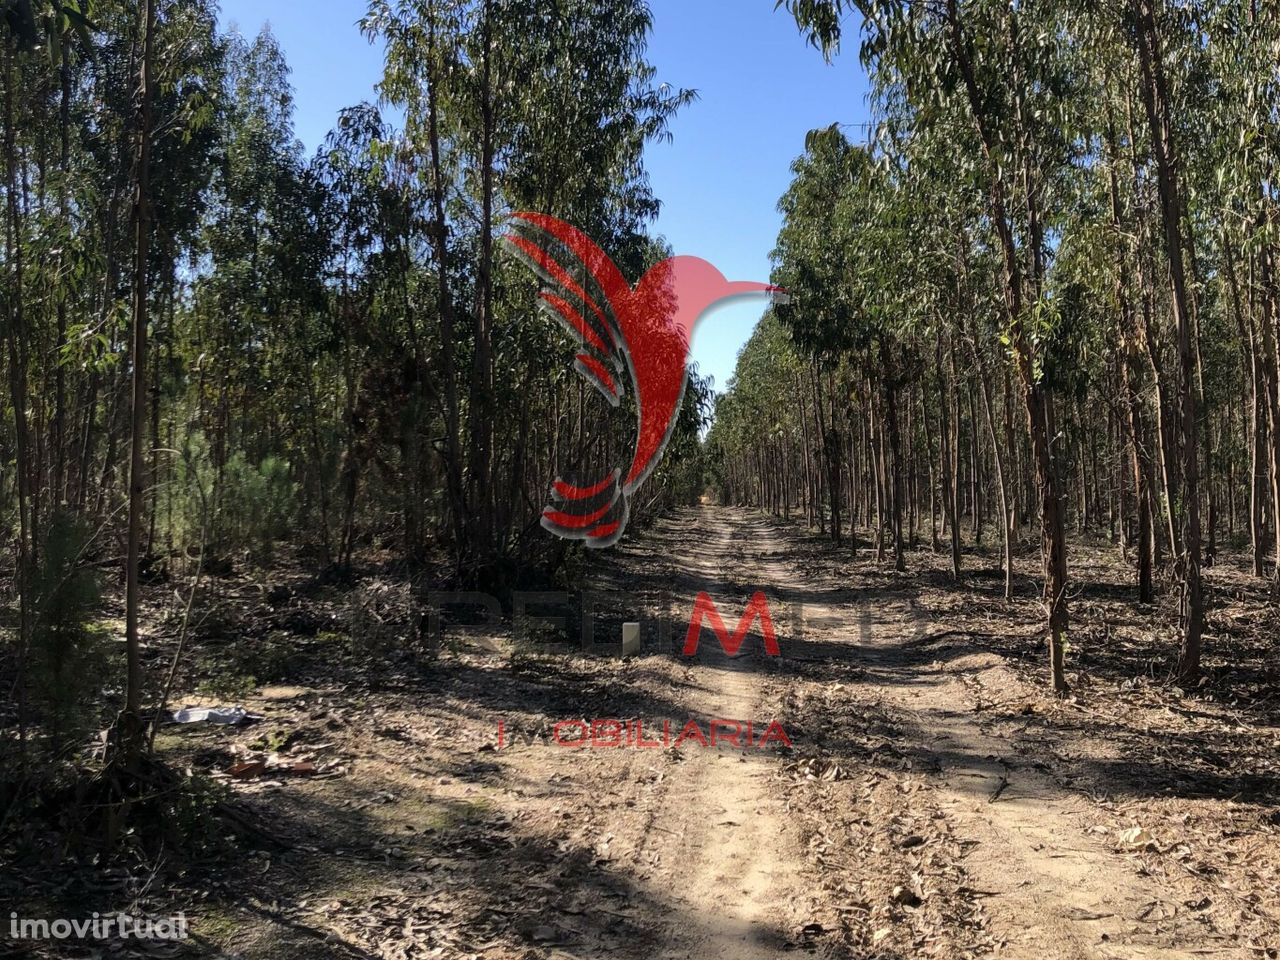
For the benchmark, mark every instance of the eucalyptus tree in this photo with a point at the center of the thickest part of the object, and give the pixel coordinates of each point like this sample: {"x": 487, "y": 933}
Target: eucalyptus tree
{"x": 1149, "y": 29}
{"x": 508, "y": 106}
{"x": 66, "y": 27}
{"x": 131, "y": 730}
{"x": 252, "y": 209}
{"x": 1239, "y": 135}
{"x": 187, "y": 143}
{"x": 355, "y": 166}
{"x": 1002, "y": 66}
{"x": 20, "y": 39}
{"x": 757, "y": 449}
{"x": 813, "y": 263}
{"x": 44, "y": 49}
{"x": 948, "y": 291}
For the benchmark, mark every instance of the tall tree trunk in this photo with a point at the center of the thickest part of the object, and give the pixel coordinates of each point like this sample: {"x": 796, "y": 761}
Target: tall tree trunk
{"x": 808, "y": 455}
{"x": 1006, "y": 522}
{"x": 830, "y": 451}
{"x": 481, "y": 415}
{"x": 877, "y": 451}
{"x": 1164, "y": 447}
{"x": 131, "y": 725}
{"x": 1053, "y": 540}
{"x": 60, "y": 377}
{"x": 1128, "y": 359}
{"x": 947, "y": 461}
{"x": 1271, "y": 381}
{"x": 445, "y": 307}
{"x": 929, "y": 459}
{"x": 891, "y": 389}
{"x": 1155, "y": 97}
{"x": 1257, "y": 412}
{"x": 17, "y": 342}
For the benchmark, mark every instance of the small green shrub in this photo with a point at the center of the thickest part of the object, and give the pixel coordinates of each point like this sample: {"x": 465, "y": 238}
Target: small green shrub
{"x": 242, "y": 508}
{"x": 67, "y": 665}
{"x": 255, "y": 504}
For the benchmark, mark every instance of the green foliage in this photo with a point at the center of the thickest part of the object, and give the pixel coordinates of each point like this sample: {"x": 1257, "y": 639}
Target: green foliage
{"x": 748, "y": 412}
{"x": 69, "y": 659}
{"x": 240, "y": 508}
{"x": 255, "y": 503}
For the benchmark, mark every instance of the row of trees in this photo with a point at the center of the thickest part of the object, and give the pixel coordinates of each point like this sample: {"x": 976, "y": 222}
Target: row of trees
{"x": 1066, "y": 217}
{"x": 214, "y": 341}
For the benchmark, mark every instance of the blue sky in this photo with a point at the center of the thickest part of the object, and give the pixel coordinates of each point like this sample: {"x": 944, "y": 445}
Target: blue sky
{"x": 761, "y": 89}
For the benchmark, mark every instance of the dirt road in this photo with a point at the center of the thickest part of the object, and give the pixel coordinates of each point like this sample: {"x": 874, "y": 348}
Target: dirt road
{"x": 735, "y": 855}
{"x": 972, "y": 844}
{"x": 933, "y": 800}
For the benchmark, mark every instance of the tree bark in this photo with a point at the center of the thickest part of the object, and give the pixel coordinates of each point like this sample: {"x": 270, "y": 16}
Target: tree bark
{"x": 481, "y": 414}
{"x": 1155, "y": 97}
{"x": 444, "y": 306}
{"x": 16, "y": 341}
{"x": 131, "y": 721}
{"x": 889, "y": 378}
{"x": 1128, "y": 359}
{"x": 1053, "y": 540}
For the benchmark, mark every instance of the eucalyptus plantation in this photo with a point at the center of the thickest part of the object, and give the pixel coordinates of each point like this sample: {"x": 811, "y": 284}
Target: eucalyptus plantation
{"x": 216, "y": 343}
{"x": 1083, "y": 200}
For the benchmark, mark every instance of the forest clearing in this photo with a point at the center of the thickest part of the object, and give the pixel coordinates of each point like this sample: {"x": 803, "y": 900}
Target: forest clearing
{"x": 391, "y": 572}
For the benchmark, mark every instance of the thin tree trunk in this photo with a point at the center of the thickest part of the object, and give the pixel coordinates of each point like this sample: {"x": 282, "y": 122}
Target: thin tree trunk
{"x": 889, "y": 382}
{"x": 132, "y": 729}
{"x": 444, "y": 306}
{"x": 1053, "y": 540}
{"x": 16, "y": 339}
{"x": 946, "y": 463}
{"x": 1006, "y": 516}
{"x": 1128, "y": 355}
{"x": 60, "y": 377}
{"x": 1257, "y": 413}
{"x": 1156, "y": 100}
{"x": 481, "y": 414}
